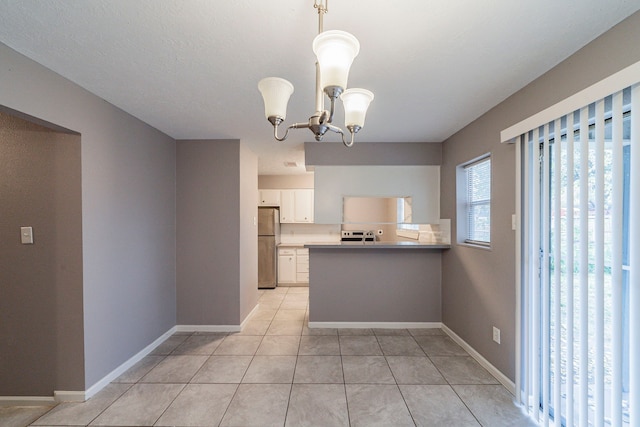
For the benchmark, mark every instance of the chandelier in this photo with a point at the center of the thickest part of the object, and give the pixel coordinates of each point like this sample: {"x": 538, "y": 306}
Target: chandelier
{"x": 335, "y": 51}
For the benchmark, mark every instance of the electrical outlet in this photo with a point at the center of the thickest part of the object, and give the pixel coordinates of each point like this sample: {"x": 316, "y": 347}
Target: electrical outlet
{"x": 496, "y": 335}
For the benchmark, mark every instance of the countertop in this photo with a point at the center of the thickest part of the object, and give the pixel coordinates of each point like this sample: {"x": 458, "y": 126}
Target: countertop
{"x": 291, "y": 245}
{"x": 377, "y": 245}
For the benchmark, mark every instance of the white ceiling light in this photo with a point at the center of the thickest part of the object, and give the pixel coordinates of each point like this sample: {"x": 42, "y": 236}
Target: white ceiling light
{"x": 335, "y": 51}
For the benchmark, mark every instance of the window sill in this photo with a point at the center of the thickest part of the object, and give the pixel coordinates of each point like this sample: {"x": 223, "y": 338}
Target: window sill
{"x": 475, "y": 246}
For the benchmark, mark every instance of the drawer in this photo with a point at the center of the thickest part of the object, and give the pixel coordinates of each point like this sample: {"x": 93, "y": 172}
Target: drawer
{"x": 302, "y": 252}
{"x": 287, "y": 252}
{"x": 302, "y": 277}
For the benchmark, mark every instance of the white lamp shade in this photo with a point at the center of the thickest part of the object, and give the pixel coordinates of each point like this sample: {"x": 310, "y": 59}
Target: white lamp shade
{"x": 335, "y": 51}
{"x": 276, "y": 93}
{"x": 356, "y": 101}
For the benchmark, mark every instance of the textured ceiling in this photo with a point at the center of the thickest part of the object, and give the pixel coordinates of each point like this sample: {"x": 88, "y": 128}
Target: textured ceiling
{"x": 190, "y": 67}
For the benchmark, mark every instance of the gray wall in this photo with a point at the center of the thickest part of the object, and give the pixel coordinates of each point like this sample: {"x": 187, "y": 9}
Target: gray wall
{"x": 478, "y": 289}
{"x": 217, "y": 201}
{"x": 286, "y": 181}
{"x": 128, "y": 212}
{"x": 374, "y": 285}
{"x": 41, "y": 334}
{"x": 333, "y": 183}
{"x": 372, "y": 153}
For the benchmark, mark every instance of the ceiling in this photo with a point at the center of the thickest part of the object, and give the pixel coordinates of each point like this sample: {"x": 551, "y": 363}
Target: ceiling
{"x": 190, "y": 68}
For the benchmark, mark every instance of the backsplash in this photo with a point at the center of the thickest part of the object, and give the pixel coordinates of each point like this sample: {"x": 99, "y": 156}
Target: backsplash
{"x": 309, "y": 233}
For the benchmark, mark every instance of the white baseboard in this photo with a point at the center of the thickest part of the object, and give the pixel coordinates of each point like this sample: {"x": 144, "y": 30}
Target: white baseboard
{"x": 503, "y": 379}
{"x": 95, "y": 388}
{"x": 216, "y": 328}
{"x": 376, "y": 325}
{"x": 82, "y": 395}
{"x": 249, "y": 316}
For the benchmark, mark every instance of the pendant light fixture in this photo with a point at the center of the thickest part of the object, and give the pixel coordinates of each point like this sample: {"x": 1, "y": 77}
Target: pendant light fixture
{"x": 335, "y": 51}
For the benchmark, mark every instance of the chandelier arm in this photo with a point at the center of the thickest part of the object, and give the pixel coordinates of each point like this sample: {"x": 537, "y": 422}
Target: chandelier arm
{"x": 336, "y": 129}
{"x": 332, "y": 110}
{"x": 286, "y": 133}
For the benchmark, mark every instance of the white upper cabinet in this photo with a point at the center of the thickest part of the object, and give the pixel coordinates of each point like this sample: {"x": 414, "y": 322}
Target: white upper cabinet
{"x": 269, "y": 198}
{"x": 303, "y": 203}
{"x": 287, "y": 206}
{"x": 296, "y": 206}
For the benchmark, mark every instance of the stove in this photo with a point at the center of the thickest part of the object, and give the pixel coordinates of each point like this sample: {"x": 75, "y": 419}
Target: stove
{"x": 357, "y": 236}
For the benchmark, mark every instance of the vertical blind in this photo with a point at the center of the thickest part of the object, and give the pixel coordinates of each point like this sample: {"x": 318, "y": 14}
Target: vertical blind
{"x": 580, "y": 295}
{"x": 479, "y": 200}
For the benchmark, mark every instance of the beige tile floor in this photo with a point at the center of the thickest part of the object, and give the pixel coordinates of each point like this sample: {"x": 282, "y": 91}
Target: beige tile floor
{"x": 277, "y": 372}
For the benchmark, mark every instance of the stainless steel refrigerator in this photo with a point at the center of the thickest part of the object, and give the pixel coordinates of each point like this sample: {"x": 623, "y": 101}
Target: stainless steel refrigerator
{"x": 268, "y": 240}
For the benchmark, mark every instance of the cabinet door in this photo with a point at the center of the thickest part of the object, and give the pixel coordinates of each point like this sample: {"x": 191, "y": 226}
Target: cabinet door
{"x": 302, "y": 265}
{"x": 286, "y": 268}
{"x": 287, "y": 206}
{"x": 269, "y": 198}
{"x": 303, "y": 200}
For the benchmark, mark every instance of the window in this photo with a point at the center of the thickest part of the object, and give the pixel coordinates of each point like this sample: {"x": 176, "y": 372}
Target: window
{"x": 474, "y": 202}
{"x": 576, "y": 313}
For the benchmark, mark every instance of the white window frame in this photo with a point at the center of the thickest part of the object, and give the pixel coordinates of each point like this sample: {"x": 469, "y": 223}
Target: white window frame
{"x": 463, "y": 204}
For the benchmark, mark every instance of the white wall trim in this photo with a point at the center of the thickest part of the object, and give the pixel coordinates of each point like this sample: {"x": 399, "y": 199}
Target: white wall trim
{"x": 377, "y": 325}
{"x": 99, "y": 385}
{"x": 218, "y": 328}
{"x": 27, "y": 401}
{"x": 80, "y": 395}
{"x": 509, "y": 385}
{"x": 618, "y": 81}
{"x": 249, "y": 316}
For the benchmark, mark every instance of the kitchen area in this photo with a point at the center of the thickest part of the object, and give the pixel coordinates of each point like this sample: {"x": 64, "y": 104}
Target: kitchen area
{"x": 374, "y": 267}
{"x": 285, "y": 225}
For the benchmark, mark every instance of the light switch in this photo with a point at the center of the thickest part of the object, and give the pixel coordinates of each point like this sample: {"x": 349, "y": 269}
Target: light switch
{"x": 26, "y": 235}
{"x": 514, "y": 222}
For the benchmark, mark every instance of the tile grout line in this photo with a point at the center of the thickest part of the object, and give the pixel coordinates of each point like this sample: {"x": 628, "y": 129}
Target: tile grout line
{"x": 451, "y": 387}
{"x": 235, "y": 393}
{"x": 293, "y": 377}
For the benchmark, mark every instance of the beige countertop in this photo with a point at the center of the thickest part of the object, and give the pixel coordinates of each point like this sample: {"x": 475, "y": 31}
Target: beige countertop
{"x": 291, "y": 245}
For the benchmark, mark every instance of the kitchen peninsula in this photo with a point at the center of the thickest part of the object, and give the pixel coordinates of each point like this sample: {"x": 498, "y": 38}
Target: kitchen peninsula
{"x": 375, "y": 284}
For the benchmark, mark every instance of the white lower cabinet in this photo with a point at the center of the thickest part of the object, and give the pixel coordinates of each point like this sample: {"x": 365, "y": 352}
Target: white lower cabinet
{"x": 302, "y": 265}
{"x": 286, "y": 266}
{"x": 293, "y": 266}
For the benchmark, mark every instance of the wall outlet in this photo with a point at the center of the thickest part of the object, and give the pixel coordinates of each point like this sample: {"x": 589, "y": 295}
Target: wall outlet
{"x": 496, "y": 335}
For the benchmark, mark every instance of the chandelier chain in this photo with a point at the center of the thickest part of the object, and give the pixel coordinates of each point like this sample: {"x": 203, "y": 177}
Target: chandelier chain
{"x": 323, "y": 7}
